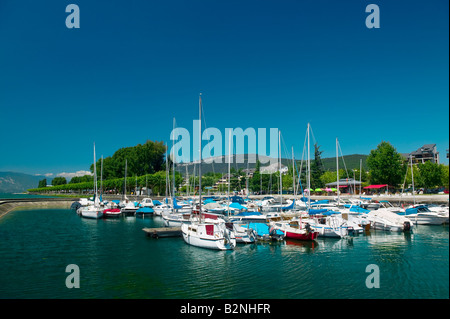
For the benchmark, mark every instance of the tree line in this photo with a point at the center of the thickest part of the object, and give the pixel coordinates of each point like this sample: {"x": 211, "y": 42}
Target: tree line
{"x": 146, "y": 167}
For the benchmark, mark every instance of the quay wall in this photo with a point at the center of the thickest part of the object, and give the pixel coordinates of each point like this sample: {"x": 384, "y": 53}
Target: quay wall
{"x": 8, "y": 205}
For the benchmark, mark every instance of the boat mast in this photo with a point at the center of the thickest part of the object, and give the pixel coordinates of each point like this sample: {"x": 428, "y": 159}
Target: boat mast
{"x": 125, "y": 187}
{"x": 173, "y": 170}
{"x": 101, "y": 179}
{"x": 360, "y": 182}
{"x": 309, "y": 175}
{"x": 167, "y": 174}
{"x": 412, "y": 179}
{"x": 187, "y": 181}
{"x": 200, "y": 157}
{"x": 293, "y": 173}
{"x": 95, "y": 179}
{"x": 279, "y": 169}
{"x": 229, "y": 168}
{"x": 337, "y": 169}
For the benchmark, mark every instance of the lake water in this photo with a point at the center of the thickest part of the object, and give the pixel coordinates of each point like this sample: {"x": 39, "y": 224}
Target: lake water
{"x": 117, "y": 260}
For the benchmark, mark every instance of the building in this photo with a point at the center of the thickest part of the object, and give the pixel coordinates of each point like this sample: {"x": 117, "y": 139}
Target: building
{"x": 426, "y": 153}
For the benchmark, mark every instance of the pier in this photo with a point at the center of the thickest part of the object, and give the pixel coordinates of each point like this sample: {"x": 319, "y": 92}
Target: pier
{"x": 163, "y": 232}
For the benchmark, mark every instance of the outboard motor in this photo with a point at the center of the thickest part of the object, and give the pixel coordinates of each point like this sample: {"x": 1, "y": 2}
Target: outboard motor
{"x": 75, "y": 205}
{"x": 406, "y": 226}
{"x": 308, "y": 227}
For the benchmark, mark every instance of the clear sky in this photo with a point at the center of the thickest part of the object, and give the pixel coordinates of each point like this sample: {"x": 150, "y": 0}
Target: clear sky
{"x": 132, "y": 66}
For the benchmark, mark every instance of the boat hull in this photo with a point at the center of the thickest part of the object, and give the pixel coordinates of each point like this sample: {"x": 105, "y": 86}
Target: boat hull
{"x": 312, "y": 235}
{"x": 112, "y": 213}
{"x": 198, "y": 237}
{"x": 92, "y": 214}
{"x": 428, "y": 219}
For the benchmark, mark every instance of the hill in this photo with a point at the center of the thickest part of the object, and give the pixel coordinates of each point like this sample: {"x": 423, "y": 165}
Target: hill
{"x": 11, "y": 182}
{"x": 351, "y": 162}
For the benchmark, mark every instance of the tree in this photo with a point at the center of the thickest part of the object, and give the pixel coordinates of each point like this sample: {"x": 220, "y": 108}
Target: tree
{"x": 328, "y": 177}
{"x": 81, "y": 179}
{"x": 431, "y": 174}
{"x": 317, "y": 169}
{"x": 141, "y": 159}
{"x": 60, "y": 180}
{"x": 42, "y": 183}
{"x": 385, "y": 165}
{"x": 445, "y": 175}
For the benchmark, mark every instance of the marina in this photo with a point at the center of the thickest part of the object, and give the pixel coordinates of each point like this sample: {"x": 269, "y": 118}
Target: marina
{"x": 210, "y": 158}
{"x": 118, "y": 260}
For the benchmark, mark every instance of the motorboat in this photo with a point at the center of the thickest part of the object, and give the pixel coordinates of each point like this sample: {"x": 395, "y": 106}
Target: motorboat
{"x": 129, "y": 208}
{"x": 144, "y": 211}
{"x": 242, "y": 233}
{"x": 146, "y": 202}
{"x": 383, "y": 219}
{"x": 422, "y": 215}
{"x": 112, "y": 212}
{"x": 296, "y": 230}
{"x": 264, "y": 232}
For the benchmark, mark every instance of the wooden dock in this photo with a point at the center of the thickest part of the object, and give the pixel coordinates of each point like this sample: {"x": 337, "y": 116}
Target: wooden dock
{"x": 163, "y": 232}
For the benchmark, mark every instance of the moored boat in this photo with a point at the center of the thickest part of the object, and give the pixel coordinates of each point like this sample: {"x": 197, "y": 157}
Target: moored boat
{"x": 112, "y": 213}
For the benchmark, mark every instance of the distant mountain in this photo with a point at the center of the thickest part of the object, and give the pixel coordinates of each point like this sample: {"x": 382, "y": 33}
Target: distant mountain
{"x": 221, "y": 166}
{"x": 11, "y": 182}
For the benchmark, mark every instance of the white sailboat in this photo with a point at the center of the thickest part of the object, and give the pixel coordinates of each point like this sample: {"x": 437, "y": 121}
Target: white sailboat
{"x": 242, "y": 234}
{"x": 199, "y": 232}
{"x": 93, "y": 211}
{"x": 297, "y": 229}
{"x": 128, "y": 208}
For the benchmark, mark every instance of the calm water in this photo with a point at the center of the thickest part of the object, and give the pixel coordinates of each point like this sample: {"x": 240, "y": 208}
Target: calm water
{"x": 117, "y": 260}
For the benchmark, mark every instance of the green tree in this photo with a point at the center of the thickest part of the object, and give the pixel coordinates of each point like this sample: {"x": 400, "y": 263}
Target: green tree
{"x": 328, "y": 177}
{"x": 81, "y": 179}
{"x": 141, "y": 159}
{"x": 60, "y": 180}
{"x": 42, "y": 183}
{"x": 445, "y": 175}
{"x": 317, "y": 169}
{"x": 430, "y": 173}
{"x": 385, "y": 165}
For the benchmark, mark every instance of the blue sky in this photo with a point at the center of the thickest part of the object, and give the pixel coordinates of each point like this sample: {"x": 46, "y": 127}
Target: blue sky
{"x": 132, "y": 66}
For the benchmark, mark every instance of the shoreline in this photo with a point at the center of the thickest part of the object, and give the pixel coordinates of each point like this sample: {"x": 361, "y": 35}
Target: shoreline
{"x": 9, "y": 205}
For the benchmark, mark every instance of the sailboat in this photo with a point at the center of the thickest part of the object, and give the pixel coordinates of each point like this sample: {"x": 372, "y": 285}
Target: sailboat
{"x": 202, "y": 233}
{"x": 297, "y": 229}
{"x": 243, "y": 234}
{"x": 128, "y": 208}
{"x": 93, "y": 211}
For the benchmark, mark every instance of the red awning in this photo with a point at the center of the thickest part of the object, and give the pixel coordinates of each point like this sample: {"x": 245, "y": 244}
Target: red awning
{"x": 376, "y": 186}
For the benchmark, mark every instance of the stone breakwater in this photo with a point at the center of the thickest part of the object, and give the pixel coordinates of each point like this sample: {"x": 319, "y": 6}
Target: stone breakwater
{"x": 8, "y": 205}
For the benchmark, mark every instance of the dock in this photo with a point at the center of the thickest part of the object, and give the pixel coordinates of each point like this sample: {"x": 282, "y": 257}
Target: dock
{"x": 163, "y": 232}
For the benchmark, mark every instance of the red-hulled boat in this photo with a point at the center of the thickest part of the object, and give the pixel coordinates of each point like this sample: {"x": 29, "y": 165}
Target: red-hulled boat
{"x": 112, "y": 212}
{"x": 295, "y": 231}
